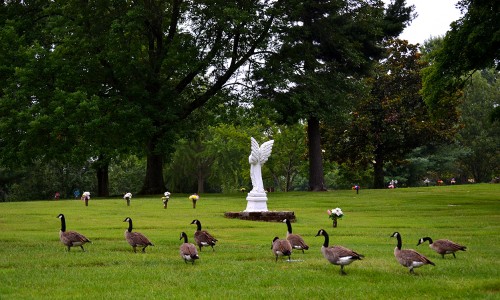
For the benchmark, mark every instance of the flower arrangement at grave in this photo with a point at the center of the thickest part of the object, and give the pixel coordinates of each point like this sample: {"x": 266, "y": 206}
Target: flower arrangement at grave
{"x": 194, "y": 198}
{"x": 335, "y": 214}
{"x": 86, "y": 198}
{"x": 165, "y": 199}
{"x": 127, "y": 197}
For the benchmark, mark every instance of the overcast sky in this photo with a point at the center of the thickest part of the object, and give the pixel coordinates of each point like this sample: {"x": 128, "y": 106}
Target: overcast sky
{"x": 434, "y": 18}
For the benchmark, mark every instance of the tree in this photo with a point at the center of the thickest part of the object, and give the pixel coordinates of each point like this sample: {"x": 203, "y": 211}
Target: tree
{"x": 473, "y": 43}
{"x": 56, "y": 104}
{"x": 479, "y": 137}
{"x": 323, "y": 49}
{"x": 289, "y": 154}
{"x": 158, "y": 62}
{"x": 394, "y": 119}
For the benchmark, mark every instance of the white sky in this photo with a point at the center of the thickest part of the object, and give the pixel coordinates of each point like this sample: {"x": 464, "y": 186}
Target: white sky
{"x": 433, "y": 20}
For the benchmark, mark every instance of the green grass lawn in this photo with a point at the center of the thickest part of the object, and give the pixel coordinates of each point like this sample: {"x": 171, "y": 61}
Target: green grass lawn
{"x": 34, "y": 264}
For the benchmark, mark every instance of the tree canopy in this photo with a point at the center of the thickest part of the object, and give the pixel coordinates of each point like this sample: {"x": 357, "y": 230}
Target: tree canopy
{"x": 99, "y": 77}
{"x": 472, "y": 43}
{"x": 393, "y": 119}
{"x": 324, "y": 50}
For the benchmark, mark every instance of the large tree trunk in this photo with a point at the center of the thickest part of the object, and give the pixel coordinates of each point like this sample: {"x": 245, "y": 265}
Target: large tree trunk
{"x": 378, "y": 172}
{"x": 102, "y": 181}
{"x": 102, "y": 170}
{"x": 153, "y": 183}
{"x": 316, "y": 178}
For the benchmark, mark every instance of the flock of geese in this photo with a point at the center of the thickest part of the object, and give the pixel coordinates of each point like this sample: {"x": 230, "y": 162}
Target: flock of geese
{"x": 337, "y": 255}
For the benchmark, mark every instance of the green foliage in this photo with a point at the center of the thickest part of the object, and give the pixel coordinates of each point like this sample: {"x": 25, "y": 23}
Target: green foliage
{"x": 218, "y": 158}
{"x": 92, "y": 75}
{"x": 215, "y": 159}
{"x": 345, "y": 176}
{"x": 126, "y": 175}
{"x": 479, "y": 137}
{"x": 326, "y": 48}
{"x": 42, "y": 180}
{"x": 431, "y": 162}
{"x": 473, "y": 43}
{"x": 289, "y": 155}
{"x": 34, "y": 264}
{"x": 392, "y": 120}
{"x": 314, "y": 73}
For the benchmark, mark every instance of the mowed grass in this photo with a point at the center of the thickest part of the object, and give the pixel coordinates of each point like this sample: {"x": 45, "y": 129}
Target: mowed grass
{"x": 35, "y": 265}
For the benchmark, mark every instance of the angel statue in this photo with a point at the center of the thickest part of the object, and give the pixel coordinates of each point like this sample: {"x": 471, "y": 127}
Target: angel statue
{"x": 258, "y": 156}
{"x": 257, "y": 197}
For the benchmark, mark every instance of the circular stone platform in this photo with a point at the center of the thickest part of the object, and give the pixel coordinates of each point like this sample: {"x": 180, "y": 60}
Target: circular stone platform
{"x": 266, "y": 216}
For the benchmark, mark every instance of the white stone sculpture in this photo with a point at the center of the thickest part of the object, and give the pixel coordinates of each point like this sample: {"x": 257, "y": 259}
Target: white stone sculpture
{"x": 257, "y": 197}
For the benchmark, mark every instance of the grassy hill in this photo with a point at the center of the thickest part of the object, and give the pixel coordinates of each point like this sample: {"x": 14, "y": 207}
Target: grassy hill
{"x": 35, "y": 265}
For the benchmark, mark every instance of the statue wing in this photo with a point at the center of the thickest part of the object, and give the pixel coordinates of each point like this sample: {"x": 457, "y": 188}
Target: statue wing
{"x": 265, "y": 151}
{"x": 254, "y": 150}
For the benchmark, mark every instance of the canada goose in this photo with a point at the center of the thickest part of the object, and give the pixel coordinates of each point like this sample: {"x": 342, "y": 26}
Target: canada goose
{"x": 187, "y": 250}
{"x": 136, "y": 238}
{"x": 281, "y": 248}
{"x": 337, "y": 255}
{"x": 202, "y": 237}
{"x": 408, "y": 257}
{"x": 71, "y": 238}
{"x": 295, "y": 240}
{"x": 443, "y": 246}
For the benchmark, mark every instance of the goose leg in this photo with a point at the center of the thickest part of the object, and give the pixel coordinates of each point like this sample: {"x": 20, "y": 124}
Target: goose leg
{"x": 82, "y": 248}
{"x": 342, "y": 272}
{"x": 454, "y": 254}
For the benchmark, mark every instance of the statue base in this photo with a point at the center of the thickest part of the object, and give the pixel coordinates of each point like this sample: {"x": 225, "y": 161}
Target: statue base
{"x": 256, "y": 202}
{"x": 264, "y": 216}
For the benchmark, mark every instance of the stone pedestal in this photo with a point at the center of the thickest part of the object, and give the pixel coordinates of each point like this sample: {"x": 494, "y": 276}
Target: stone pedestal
{"x": 256, "y": 202}
{"x": 264, "y": 216}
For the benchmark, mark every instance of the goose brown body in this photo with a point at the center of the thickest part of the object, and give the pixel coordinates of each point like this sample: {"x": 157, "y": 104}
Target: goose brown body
{"x": 443, "y": 246}
{"x": 295, "y": 240}
{"x": 202, "y": 238}
{"x": 281, "y": 247}
{"x": 187, "y": 250}
{"x": 71, "y": 238}
{"x": 338, "y": 255}
{"x": 136, "y": 239}
{"x": 408, "y": 257}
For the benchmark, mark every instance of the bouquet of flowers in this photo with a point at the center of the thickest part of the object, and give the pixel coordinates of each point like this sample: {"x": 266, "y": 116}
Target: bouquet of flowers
{"x": 86, "y": 198}
{"x": 335, "y": 214}
{"x": 165, "y": 199}
{"x": 127, "y": 197}
{"x": 194, "y": 198}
